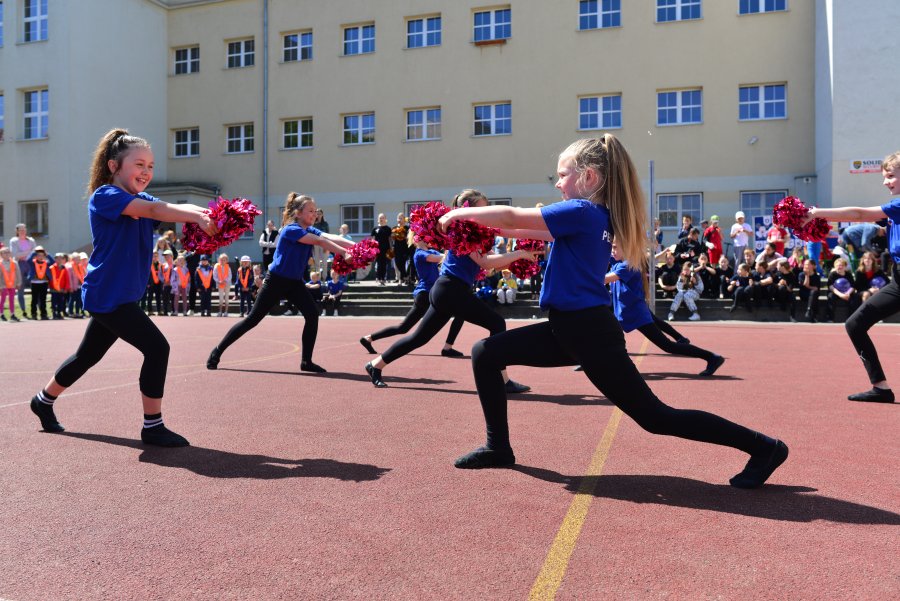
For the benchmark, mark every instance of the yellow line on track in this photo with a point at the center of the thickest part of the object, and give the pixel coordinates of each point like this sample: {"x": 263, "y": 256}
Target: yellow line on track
{"x": 554, "y": 569}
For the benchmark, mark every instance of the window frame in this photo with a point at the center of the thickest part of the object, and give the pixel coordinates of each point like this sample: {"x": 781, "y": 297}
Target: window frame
{"x": 425, "y": 34}
{"x": 601, "y": 113}
{"x": 361, "y": 131}
{"x": 360, "y": 41}
{"x": 761, "y": 104}
{"x": 761, "y": 7}
{"x": 245, "y": 141}
{"x": 679, "y": 210}
{"x": 679, "y": 107}
{"x": 361, "y": 220}
{"x": 300, "y": 134}
{"x": 191, "y": 64}
{"x": 37, "y": 24}
{"x": 492, "y": 120}
{"x": 493, "y": 26}
{"x": 188, "y": 144}
{"x": 426, "y": 124}
{"x": 42, "y": 115}
{"x": 679, "y": 6}
{"x": 304, "y": 51}
{"x": 243, "y": 58}
{"x": 41, "y": 227}
{"x": 612, "y": 13}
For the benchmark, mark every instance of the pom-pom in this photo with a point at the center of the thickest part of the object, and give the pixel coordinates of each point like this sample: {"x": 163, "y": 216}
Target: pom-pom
{"x": 232, "y": 217}
{"x": 462, "y": 237}
{"x": 423, "y": 220}
{"x": 361, "y": 254}
{"x": 878, "y": 282}
{"x": 791, "y": 212}
{"x": 842, "y": 285}
{"x": 524, "y": 268}
{"x": 399, "y": 233}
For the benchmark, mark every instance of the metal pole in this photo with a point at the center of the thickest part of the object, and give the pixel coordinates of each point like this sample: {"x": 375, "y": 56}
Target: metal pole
{"x": 652, "y": 267}
{"x": 265, "y": 123}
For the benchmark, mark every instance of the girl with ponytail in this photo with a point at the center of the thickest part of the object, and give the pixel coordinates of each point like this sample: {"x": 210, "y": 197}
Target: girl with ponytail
{"x": 601, "y": 195}
{"x": 123, "y": 218}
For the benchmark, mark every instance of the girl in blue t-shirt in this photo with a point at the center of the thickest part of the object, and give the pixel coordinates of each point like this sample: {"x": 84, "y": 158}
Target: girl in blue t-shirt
{"x": 887, "y": 301}
{"x": 601, "y": 195}
{"x": 452, "y": 296}
{"x": 284, "y": 279}
{"x": 122, "y": 219}
{"x": 427, "y": 263}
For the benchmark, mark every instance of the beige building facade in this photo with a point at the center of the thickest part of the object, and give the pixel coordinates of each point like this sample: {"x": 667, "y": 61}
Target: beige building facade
{"x": 373, "y": 107}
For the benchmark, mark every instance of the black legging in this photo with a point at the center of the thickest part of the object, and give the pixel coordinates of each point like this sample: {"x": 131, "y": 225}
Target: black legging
{"x": 449, "y": 297}
{"x": 381, "y": 263}
{"x": 878, "y": 306}
{"x": 274, "y": 289}
{"x": 593, "y": 339}
{"x": 132, "y": 325}
{"x": 666, "y": 328}
{"x": 418, "y": 310}
{"x": 652, "y": 333}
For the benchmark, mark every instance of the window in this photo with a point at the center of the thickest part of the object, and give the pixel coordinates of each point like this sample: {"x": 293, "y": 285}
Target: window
{"x": 421, "y": 32}
{"x": 359, "y": 218}
{"x": 670, "y": 208}
{"x": 600, "y": 112}
{"x": 762, "y": 102}
{"x": 187, "y": 143}
{"x": 423, "y": 124}
{"x": 241, "y": 54}
{"x": 34, "y": 214}
{"x": 37, "y": 114}
{"x": 500, "y": 201}
{"x": 298, "y": 133}
{"x": 34, "y": 20}
{"x": 239, "y": 138}
{"x": 2, "y": 115}
{"x": 298, "y": 47}
{"x": 493, "y": 119}
{"x": 359, "y": 129}
{"x": 187, "y": 60}
{"x": 679, "y": 108}
{"x": 599, "y": 14}
{"x": 409, "y": 206}
{"x": 677, "y": 10}
{"x": 493, "y": 24}
{"x": 359, "y": 39}
{"x": 759, "y": 204}
{"x": 747, "y": 7}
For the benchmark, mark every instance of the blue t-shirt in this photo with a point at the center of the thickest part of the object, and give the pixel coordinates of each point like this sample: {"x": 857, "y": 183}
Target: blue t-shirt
{"x": 335, "y": 287}
{"x": 291, "y": 257}
{"x": 462, "y": 268}
{"x": 428, "y": 271}
{"x": 579, "y": 258}
{"x": 628, "y": 297}
{"x": 892, "y": 210}
{"x": 119, "y": 266}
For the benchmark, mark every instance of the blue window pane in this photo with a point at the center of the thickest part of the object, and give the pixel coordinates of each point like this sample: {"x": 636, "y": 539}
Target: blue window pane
{"x": 414, "y": 26}
{"x": 414, "y": 118}
{"x": 612, "y": 103}
{"x": 587, "y": 22}
{"x": 612, "y": 120}
{"x": 482, "y": 112}
{"x": 503, "y": 111}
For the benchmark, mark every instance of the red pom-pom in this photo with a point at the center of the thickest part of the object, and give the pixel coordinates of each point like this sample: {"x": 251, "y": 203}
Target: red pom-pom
{"x": 232, "y": 217}
{"x": 524, "y": 268}
{"x": 791, "y": 212}
{"x": 361, "y": 254}
{"x": 462, "y": 237}
{"x": 423, "y": 221}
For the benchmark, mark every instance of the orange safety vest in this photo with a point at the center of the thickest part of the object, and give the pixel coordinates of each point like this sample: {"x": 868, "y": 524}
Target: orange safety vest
{"x": 57, "y": 272}
{"x": 40, "y": 269}
{"x": 78, "y": 270}
{"x": 244, "y": 276}
{"x": 183, "y": 279}
{"x": 166, "y": 273}
{"x": 205, "y": 279}
{"x": 223, "y": 283}
{"x": 9, "y": 277}
{"x": 154, "y": 274}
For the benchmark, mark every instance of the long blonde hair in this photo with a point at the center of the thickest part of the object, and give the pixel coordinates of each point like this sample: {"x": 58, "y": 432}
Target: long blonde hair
{"x": 620, "y": 192}
{"x": 112, "y": 147}
{"x": 294, "y": 203}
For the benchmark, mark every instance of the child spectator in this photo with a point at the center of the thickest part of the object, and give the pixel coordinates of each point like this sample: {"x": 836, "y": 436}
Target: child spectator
{"x": 712, "y": 240}
{"x": 166, "y": 269}
{"x": 707, "y": 275}
{"x": 749, "y": 258}
{"x": 808, "y": 288}
{"x": 154, "y": 287}
{"x": 840, "y": 289}
{"x": 741, "y": 234}
{"x": 181, "y": 284}
{"x": 688, "y": 248}
{"x": 689, "y": 287}
{"x": 778, "y": 236}
{"x": 77, "y": 269}
{"x": 686, "y": 227}
{"x": 867, "y": 280}
{"x": 741, "y": 288}
{"x": 257, "y": 281}
{"x": 316, "y": 290}
{"x": 724, "y": 273}
{"x": 506, "y": 291}
{"x": 795, "y": 261}
{"x": 784, "y": 288}
{"x": 39, "y": 277}
{"x": 11, "y": 280}
{"x": 771, "y": 256}
{"x": 59, "y": 286}
{"x": 244, "y": 284}
{"x": 332, "y": 300}
{"x": 222, "y": 276}
{"x": 667, "y": 275}
{"x": 763, "y": 284}
{"x": 203, "y": 280}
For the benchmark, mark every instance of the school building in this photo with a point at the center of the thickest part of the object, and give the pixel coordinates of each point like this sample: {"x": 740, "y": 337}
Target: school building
{"x": 374, "y": 107}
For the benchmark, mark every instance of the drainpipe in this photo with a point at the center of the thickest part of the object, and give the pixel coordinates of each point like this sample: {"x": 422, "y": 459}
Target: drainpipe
{"x": 265, "y": 123}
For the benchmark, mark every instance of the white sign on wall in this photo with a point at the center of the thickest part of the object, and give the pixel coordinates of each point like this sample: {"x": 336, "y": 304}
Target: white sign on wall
{"x": 865, "y": 166}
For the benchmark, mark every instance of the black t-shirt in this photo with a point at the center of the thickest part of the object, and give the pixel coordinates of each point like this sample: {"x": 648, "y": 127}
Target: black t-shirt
{"x": 835, "y": 276}
{"x": 726, "y": 273}
{"x": 668, "y": 274}
{"x": 788, "y": 278}
{"x": 382, "y": 235}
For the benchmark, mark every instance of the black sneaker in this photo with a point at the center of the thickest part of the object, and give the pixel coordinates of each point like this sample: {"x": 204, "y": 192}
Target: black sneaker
{"x": 368, "y": 346}
{"x": 578, "y": 368}
{"x": 312, "y": 367}
{"x": 46, "y": 415}
{"x": 375, "y": 374}
{"x": 212, "y": 362}
{"x": 483, "y": 457}
{"x": 3, "y": 318}
{"x": 14, "y": 318}
{"x": 876, "y": 395}
{"x": 714, "y": 363}
{"x": 514, "y": 387}
{"x": 451, "y": 352}
{"x": 761, "y": 466}
{"x": 161, "y": 436}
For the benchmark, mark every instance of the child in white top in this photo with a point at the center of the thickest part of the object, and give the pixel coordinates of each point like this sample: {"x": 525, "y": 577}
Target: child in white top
{"x": 222, "y": 276}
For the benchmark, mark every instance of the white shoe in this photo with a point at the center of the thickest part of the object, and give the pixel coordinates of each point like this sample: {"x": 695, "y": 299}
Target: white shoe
{"x": 695, "y": 317}
{"x": 671, "y": 317}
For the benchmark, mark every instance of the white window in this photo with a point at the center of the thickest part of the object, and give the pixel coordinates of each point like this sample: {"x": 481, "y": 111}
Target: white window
{"x": 241, "y": 53}
{"x": 748, "y": 7}
{"x": 2, "y": 116}
{"x": 600, "y": 112}
{"x": 359, "y": 39}
{"x": 34, "y": 214}
{"x": 34, "y": 20}
{"x": 760, "y": 203}
{"x": 359, "y": 218}
{"x": 359, "y": 129}
{"x": 677, "y": 10}
{"x": 599, "y": 14}
{"x": 298, "y": 47}
{"x": 762, "y": 102}
{"x": 187, "y": 60}
{"x": 423, "y": 31}
{"x": 493, "y": 119}
{"x": 239, "y": 138}
{"x": 37, "y": 114}
{"x": 187, "y": 142}
{"x": 298, "y": 133}
{"x": 679, "y": 107}
{"x": 493, "y": 24}
{"x": 423, "y": 124}
{"x": 670, "y": 208}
